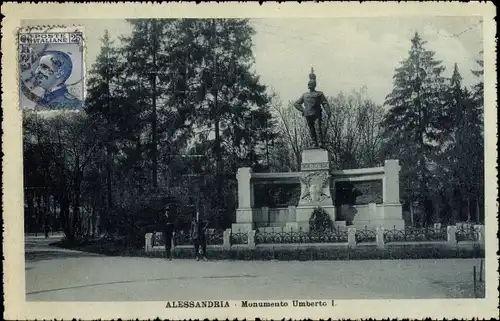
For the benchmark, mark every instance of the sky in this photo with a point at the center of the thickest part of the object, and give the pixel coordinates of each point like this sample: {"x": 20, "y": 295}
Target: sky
{"x": 346, "y": 53}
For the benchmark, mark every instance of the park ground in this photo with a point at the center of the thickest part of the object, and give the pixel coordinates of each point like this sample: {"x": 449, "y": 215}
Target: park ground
{"x": 56, "y": 274}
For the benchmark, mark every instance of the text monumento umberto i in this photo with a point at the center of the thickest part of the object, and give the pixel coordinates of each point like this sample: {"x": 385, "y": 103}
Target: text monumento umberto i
{"x": 247, "y": 304}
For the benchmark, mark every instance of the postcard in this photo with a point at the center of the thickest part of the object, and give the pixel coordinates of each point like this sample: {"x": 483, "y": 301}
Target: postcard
{"x": 274, "y": 161}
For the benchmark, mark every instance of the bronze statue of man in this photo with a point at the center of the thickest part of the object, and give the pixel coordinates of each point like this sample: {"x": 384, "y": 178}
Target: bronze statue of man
{"x": 310, "y": 104}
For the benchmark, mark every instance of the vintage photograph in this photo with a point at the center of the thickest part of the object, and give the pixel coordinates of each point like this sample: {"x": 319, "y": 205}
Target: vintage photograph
{"x": 254, "y": 162}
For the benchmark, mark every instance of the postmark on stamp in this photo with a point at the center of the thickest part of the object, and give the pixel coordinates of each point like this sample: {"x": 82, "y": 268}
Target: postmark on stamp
{"x": 51, "y": 68}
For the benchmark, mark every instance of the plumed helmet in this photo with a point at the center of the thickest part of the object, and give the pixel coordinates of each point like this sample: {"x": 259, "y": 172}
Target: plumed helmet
{"x": 312, "y": 76}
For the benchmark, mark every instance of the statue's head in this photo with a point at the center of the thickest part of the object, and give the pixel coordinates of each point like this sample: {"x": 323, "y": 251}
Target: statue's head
{"x": 311, "y": 85}
{"x": 312, "y": 80}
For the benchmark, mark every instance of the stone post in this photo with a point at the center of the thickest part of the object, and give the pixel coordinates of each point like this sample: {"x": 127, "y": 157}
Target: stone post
{"x": 265, "y": 215}
{"x": 391, "y": 181}
{"x": 245, "y": 190}
{"x": 379, "y": 237}
{"x": 172, "y": 243}
{"x": 226, "y": 236}
{"x": 251, "y": 239}
{"x": 452, "y": 236}
{"x": 292, "y": 213}
{"x": 351, "y": 237}
{"x": 437, "y": 227}
{"x": 148, "y": 247}
{"x": 372, "y": 209}
{"x": 244, "y": 214}
{"x": 480, "y": 234}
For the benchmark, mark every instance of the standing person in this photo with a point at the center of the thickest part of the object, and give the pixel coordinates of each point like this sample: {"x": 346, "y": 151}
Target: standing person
{"x": 198, "y": 231}
{"x": 168, "y": 230}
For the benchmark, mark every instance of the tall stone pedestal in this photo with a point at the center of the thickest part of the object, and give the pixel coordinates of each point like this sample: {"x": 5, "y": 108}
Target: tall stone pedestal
{"x": 244, "y": 213}
{"x": 315, "y": 187}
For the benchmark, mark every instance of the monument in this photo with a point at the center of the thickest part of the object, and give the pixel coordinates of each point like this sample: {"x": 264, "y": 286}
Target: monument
{"x": 316, "y": 180}
{"x": 315, "y": 175}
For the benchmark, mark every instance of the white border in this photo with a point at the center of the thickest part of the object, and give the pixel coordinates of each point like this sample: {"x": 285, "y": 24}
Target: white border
{"x": 15, "y": 305}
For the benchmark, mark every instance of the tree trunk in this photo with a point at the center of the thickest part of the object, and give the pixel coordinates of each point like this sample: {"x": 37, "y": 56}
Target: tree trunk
{"x": 30, "y": 215}
{"x": 478, "y": 219}
{"x": 39, "y": 213}
{"x": 468, "y": 210}
{"x": 218, "y": 149}
{"x": 93, "y": 220}
{"x": 109, "y": 184}
{"x": 46, "y": 205}
{"x": 76, "y": 225}
{"x": 55, "y": 225}
{"x": 154, "y": 115}
{"x": 64, "y": 210}
{"x": 412, "y": 214}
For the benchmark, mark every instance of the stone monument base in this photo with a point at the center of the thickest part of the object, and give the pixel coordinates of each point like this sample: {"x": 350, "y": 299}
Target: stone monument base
{"x": 314, "y": 159}
{"x": 315, "y": 187}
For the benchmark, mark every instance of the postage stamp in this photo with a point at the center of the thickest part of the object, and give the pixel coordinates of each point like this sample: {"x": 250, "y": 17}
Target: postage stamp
{"x": 51, "y": 68}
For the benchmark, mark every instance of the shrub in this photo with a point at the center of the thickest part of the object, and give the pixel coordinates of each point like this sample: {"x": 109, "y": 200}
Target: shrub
{"x": 320, "y": 220}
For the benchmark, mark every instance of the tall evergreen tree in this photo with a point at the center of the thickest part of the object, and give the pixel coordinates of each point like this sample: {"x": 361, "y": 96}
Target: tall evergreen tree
{"x": 478, "y": 88}
{"x": 227, "y": 104}
{"x": 103, "y": 108}
{"x": 412, "y": 126}
{"x": 147, "y": 67}
{"x": 463, "y": 152}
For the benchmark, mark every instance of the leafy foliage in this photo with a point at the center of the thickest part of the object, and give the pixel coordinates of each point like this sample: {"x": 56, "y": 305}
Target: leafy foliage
{"x": 320, "y": 220}
{"x": 174, "y": 109}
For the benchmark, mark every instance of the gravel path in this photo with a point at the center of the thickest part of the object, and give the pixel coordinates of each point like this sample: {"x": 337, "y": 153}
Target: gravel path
{"x": 55, "y": 274}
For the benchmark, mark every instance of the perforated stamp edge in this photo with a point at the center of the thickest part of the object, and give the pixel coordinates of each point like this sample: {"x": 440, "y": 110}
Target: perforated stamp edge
{"x": 51, "y": 28}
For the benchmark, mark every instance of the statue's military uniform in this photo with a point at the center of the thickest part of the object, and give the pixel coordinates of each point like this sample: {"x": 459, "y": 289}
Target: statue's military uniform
{"x": 311, "y": 102}
{"x": 59, "y": 99}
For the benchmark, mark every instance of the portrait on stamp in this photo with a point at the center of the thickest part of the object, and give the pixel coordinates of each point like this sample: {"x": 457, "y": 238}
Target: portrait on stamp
{"x": 51, "y": 65}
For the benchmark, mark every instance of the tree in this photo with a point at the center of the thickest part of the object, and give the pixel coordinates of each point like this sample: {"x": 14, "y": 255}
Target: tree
{"x": 353, "y": 133}
{"x": 478, "y": 89}
{"x": 413, "y": 127}
{"x": 477, "y": 117}
{"x": 293, "y": 136}
{"x": 61, "y": 149}
{"x": 103, "y": 110}
{"x": 461, "y": 160}
{"x": 351, "y": 130}
{"x": 224, "y": 101}
{"x": 148, "y": 70}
